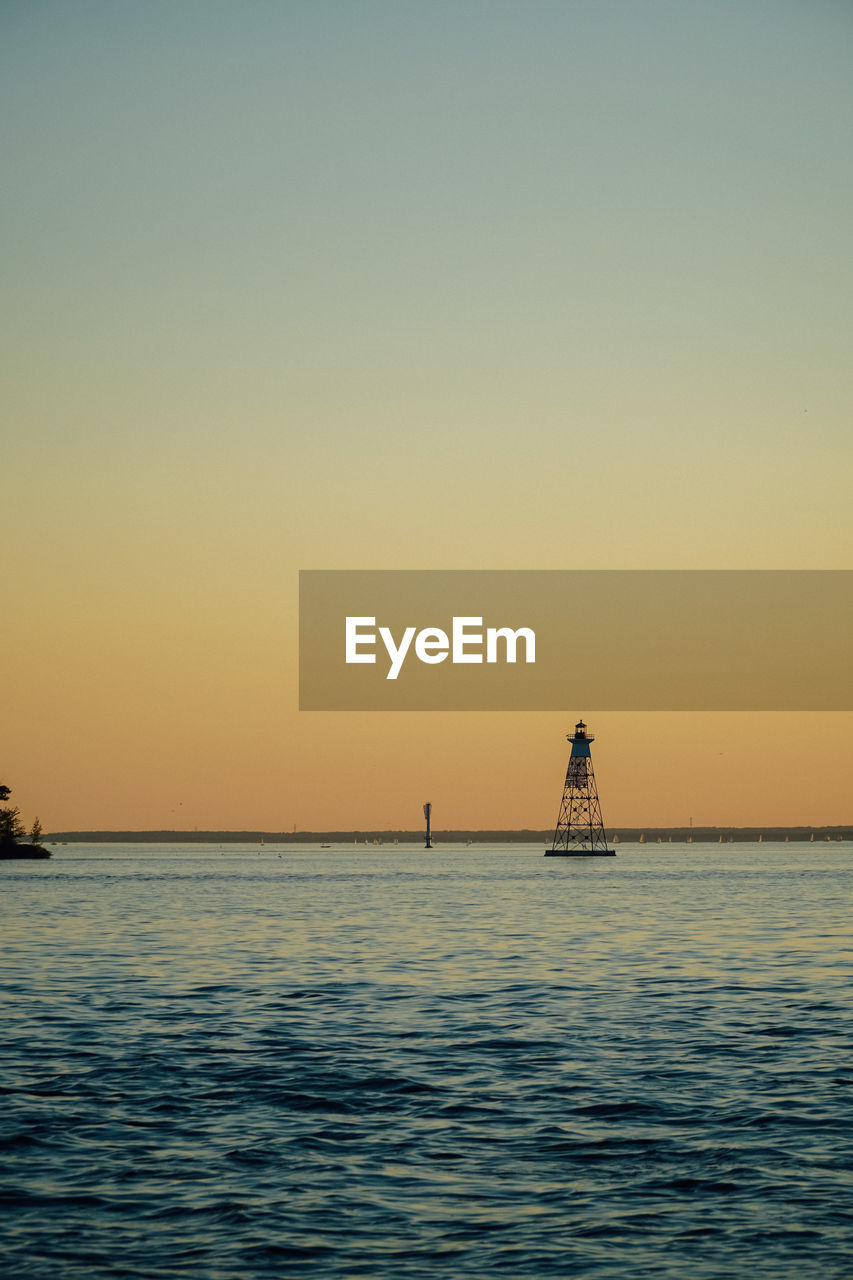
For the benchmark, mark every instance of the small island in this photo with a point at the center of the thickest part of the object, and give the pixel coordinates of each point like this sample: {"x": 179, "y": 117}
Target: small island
{"x": 12, "y": 832}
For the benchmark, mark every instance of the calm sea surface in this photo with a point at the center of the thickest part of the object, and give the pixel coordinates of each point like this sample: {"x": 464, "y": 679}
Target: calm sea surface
{"x": 221, "y": 1062}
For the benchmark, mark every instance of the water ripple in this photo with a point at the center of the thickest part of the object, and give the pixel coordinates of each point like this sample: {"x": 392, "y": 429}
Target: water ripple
{"x": 372, "y": 1065}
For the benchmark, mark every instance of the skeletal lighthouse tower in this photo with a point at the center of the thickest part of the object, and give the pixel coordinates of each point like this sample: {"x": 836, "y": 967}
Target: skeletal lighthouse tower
{"x": 580, "y": 830}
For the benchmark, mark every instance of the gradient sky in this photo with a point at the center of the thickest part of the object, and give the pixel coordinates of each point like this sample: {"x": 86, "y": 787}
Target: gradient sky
{"x": 323, "y": 284}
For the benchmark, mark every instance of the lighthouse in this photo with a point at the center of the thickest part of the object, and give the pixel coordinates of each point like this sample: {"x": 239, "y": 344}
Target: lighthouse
{"x": 580, "y": 830}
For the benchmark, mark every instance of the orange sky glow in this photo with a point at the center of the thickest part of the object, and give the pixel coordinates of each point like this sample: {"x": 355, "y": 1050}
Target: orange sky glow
{"x": 300, "y": 292}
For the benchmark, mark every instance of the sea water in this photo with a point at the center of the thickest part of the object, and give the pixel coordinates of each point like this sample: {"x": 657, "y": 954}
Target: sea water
{"x": 239, "y": 1061}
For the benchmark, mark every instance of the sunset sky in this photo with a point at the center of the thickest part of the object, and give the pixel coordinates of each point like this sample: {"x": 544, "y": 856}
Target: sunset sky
{"x": 324, "y": 284}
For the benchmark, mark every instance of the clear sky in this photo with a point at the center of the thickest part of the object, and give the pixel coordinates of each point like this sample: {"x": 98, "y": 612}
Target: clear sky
{"x": 323, "y": 284}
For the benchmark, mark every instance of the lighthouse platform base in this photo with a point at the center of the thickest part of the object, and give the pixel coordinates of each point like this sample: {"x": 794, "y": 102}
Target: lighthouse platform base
{"x": 580, "y": 853}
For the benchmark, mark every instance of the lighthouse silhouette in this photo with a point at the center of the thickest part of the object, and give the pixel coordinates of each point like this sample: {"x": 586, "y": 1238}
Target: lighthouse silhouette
{"x": 580, "y": 830}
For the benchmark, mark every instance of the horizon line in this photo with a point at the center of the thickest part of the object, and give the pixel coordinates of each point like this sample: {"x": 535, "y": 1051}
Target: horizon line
{"x": 452, "y": 835}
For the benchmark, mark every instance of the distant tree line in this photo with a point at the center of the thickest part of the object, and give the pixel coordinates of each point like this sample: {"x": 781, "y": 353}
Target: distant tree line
{"x": 626, "y": 835}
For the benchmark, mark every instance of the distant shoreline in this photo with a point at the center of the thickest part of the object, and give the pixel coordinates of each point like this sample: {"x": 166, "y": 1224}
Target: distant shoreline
{"x": 620, "y": 835}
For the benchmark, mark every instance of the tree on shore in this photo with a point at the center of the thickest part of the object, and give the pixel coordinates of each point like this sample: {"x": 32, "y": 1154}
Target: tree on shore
{"x": 11, "y": 827}
{"x": 12, "y": 830}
